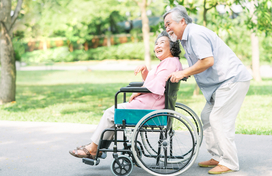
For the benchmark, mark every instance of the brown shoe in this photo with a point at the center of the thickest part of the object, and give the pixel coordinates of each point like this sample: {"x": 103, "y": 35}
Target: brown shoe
{"x": 220, "y": 169}
{"x": 210, "y": 163}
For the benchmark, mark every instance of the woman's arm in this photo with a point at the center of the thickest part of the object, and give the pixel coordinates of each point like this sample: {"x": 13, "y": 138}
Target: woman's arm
{"x": 143, "y": 70}
{"x": 133, "y": 96}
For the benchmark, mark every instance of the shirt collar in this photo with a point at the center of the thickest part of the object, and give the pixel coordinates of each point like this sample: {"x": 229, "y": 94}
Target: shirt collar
{"x": 186, "y": 31}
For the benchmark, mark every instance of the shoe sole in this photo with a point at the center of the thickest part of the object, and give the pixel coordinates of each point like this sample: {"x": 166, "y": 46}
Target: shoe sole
{"x": 201, "y": 165}
{"x": 85, "y": 156}
{"x": 217, "y": 173}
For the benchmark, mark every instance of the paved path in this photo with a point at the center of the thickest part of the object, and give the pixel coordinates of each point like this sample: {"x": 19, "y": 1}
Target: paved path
{"x": 41, "y": 149}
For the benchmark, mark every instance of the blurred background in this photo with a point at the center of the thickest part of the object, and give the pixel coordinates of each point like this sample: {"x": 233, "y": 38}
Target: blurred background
{"x": 49, "y": 31}
{"x": 73, "y": 55}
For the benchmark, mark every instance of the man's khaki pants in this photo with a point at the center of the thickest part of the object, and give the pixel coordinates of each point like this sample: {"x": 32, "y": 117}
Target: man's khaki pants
{"x": 218, "y": 121}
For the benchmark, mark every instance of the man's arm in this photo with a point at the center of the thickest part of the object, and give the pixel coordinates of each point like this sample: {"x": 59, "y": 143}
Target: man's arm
{"x": 198, "y": 67}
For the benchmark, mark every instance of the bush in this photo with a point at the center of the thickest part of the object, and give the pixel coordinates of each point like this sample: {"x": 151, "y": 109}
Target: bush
{"x": 18, "y": 47}
{"x": 51, "y": 55}
{"x": 118, "y": 52}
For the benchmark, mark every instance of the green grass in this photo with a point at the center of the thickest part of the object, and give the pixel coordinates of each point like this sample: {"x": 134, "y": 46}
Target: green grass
{"x": 82, "y": 96}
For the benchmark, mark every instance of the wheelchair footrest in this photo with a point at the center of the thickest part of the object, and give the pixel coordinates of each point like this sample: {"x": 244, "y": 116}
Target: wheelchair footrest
{"x": 91, "y": 162}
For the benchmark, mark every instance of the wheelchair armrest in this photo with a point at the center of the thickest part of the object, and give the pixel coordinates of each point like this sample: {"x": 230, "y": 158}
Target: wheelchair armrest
{"x": 136, "y": 84}
{"x": 135, "y": 89}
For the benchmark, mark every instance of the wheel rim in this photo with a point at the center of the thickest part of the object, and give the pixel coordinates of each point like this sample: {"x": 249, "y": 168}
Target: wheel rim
{"x": 181, "y": 108}
{"x": 125, "y": 167}
{"x": 168, "y": 163}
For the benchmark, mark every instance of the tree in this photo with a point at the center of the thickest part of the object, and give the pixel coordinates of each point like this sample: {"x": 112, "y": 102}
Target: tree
{"x": 77, "y": 20}
{"x": 8, "y": 70}
{"x": 206, "y": 9}
{"x": 145, "y": 29}
{"x": 259, "y": 21}
{"x": 255, "y": 44}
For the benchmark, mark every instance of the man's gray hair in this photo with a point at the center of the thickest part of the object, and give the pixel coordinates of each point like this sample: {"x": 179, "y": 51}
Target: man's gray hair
{"x": 178, "y": 13}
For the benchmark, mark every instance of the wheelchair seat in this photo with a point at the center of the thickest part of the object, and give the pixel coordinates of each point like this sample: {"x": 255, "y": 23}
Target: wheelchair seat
{"x": 133, "y": 116}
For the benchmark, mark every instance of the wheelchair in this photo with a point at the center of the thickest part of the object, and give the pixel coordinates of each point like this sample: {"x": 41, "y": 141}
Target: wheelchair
{"x": 162, "y": 142}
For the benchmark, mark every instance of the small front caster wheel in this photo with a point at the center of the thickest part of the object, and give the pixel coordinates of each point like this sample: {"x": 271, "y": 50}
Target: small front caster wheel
{"x": 122, "y": 166}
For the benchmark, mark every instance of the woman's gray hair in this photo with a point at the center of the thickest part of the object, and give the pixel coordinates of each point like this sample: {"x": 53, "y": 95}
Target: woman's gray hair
{"x": 174, "y": 46}
{"x": 178, "y": 13}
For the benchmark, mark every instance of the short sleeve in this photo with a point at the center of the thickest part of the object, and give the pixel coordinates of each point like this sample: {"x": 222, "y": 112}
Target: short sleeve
{"x": 157, "y": 84}
{"x": 201, "y": 45}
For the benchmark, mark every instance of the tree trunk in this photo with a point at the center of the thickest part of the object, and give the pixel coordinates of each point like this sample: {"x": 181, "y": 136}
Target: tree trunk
{"x": 44, "y": 45}
{"x": 86, "y": 47}
{"x": 205, "y": 10}
{"x": 204, "y": 14}
{"x": 255, "y": 46}
{"x": 8, "y": 70}
{"x": 145, "y": 30}
{"x": 7, "y": 58}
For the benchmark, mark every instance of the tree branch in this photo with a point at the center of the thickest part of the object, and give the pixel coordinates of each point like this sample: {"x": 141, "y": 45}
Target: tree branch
{"x": 212, "y": 6}
{"x": 16, "y": 13}
{"x": 7, "y": 31}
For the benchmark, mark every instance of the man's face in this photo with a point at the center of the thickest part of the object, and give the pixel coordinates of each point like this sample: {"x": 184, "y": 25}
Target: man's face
{"x": 174, "y": 29}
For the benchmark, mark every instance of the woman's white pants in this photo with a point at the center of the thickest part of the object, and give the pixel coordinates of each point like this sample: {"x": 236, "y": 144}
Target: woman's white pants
{"x": 107, "y": 121}
{"x": 218, "y": 120}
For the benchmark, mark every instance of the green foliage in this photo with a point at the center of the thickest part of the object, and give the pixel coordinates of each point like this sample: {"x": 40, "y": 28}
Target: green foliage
{"x": 80, "y": 20}
{"x": 118, "y": 52}
{"x": 124, "y": 51}
{"x": 51, "y": 55}
{"x": 263, "y": 13}
{"x": 19, "y": 49}
{"x": 221, "y": 23}
{"x": 266, "y": 45}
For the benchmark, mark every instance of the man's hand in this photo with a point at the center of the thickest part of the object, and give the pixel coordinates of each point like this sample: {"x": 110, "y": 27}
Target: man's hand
{"x": 176, "y": 76}
{"x": 200, "y": 66}
{"x": 133, "y": 96}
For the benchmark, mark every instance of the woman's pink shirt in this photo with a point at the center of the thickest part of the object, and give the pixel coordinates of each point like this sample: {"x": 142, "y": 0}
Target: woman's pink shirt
{"x": 155, "y": 82}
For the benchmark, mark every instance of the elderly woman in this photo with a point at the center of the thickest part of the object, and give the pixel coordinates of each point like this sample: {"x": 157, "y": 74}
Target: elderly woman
{"x": 154, "y": 80}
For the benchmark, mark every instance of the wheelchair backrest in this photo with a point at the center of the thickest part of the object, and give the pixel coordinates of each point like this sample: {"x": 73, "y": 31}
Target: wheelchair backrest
{"x": 171, "y": 91}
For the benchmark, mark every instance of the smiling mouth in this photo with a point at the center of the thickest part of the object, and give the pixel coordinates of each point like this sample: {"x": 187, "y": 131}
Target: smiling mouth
{"x": 159, "y": 51}
{"x": 171, "y": 33}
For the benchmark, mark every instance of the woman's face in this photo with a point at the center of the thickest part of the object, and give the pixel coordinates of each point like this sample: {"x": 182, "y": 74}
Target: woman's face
{"x": 162, "y": 48}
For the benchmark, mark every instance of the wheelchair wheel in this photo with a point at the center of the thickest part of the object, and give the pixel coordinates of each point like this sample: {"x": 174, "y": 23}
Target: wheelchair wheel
{"x": 190, "y": 114}
{"x": 184, "y": 110}
{"x": 122, "y": 166}
{"x": 172, "y": 139}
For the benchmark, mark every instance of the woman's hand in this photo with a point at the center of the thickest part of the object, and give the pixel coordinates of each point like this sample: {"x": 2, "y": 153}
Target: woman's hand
{"x": 133, "y": 96}
{"x": 141, "y": 68}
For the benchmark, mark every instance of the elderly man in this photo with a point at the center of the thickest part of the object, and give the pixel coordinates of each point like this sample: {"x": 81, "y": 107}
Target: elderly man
{"x": 223, "y": 80}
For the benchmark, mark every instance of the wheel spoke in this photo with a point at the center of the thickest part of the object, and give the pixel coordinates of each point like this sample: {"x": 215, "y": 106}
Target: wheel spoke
{"x": 168, "y": 147}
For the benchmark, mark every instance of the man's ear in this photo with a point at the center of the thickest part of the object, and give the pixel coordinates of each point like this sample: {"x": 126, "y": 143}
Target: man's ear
{"x": 182, "y": 21}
